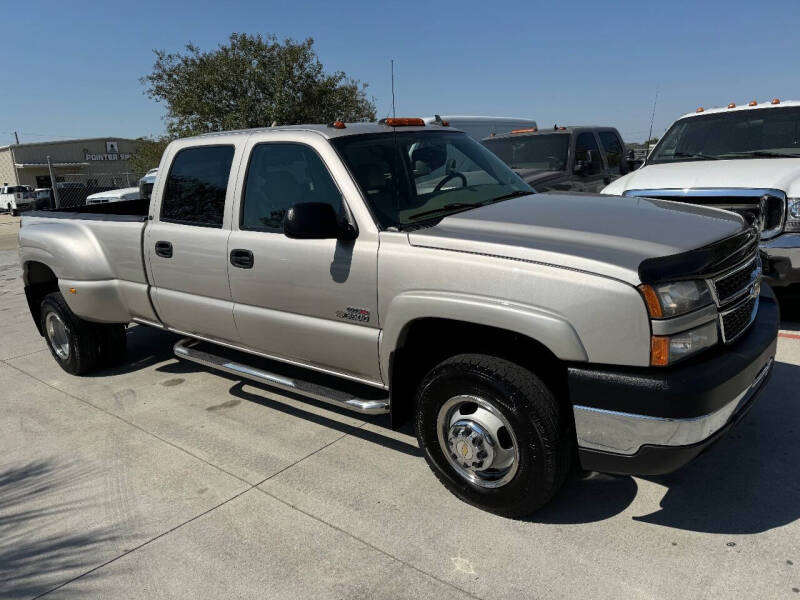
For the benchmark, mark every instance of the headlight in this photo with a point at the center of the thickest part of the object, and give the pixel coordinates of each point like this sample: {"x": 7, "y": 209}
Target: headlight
{"x": 667, "y": 350}
{"x": 793, "y": 215}
{"x": 666, "y": 300}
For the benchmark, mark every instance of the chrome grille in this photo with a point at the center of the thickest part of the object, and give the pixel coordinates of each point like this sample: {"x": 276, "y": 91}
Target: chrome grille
{"x": 764, "y": 209}
{"x": 735, "y": 321}
{"x": 736, "y": 294}
{"x": 735, "y": 283}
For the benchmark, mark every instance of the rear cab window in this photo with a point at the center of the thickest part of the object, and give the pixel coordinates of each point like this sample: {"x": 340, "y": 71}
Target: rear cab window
{"x": 194, "y": 193}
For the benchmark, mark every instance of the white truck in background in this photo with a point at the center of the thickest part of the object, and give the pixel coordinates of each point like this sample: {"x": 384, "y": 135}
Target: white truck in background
{"x": 740, "y": 158}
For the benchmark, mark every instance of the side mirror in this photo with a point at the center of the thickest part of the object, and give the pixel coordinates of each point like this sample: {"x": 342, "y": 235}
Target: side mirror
{"x": 316, "y": 221}
{"x": 582, "y": 166}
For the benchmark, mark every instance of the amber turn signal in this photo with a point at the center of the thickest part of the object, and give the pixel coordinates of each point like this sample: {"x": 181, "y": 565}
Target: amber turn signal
{"x": 659, "y": 351}
{"x": 651, "y": 301}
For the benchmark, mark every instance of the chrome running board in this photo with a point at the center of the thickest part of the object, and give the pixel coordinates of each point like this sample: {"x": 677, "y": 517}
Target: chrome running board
{"x": 186, "y": 348}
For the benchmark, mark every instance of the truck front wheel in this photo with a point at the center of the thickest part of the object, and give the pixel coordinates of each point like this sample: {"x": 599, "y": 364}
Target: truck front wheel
{"x": 79, "y": 346}
{"x": 493, "y": 433}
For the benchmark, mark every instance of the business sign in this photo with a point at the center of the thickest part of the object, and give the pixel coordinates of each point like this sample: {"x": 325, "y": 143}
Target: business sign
{"x": 107, "y": 156}
{"x": 112, "y": 153}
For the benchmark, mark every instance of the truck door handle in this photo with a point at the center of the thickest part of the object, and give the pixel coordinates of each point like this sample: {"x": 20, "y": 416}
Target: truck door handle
{"x": 242, "y": 258}
{"x": 164, "y": 249}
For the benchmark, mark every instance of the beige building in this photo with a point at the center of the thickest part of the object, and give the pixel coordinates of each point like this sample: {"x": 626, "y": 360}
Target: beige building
{"x": 103, "y": 162}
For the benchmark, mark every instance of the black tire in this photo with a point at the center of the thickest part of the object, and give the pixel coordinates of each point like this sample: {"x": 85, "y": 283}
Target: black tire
{"x": 14, "y": 212}
{"x": 84, "y": 339}
{"x": 541, "y": 431}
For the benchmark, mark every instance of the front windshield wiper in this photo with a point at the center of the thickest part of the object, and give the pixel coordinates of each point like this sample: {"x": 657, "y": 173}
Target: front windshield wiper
{"x": 467, "y": 205}
{"x": 514, "y": 194}
{"x": 699, "y": 155}
{"x": 451, "y": 206}
{"x": 765, "y": 153}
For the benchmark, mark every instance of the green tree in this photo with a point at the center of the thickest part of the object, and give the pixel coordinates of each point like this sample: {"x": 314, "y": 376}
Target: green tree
{"x": 148, "y": 154}
{"x": 252, "y": 81}
{"x": 652, "y": 140}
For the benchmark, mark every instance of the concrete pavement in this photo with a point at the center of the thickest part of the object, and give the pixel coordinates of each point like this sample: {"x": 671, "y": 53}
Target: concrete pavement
{"x": 159, "y": 479}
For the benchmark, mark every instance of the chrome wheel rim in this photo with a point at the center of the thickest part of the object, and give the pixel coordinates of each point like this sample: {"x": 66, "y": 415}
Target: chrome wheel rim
{"x": 57, "y": 335}
{"x": 477, "y": 441}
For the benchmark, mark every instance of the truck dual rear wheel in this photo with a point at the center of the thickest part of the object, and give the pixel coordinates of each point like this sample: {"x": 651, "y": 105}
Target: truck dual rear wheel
{"x": 79, "y": 346}
{"x": 493, "y": 433}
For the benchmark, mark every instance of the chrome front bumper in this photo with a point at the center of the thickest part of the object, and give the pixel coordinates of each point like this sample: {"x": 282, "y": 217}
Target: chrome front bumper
{"x": 783, "y": 259}
{"x": 625, "y": 433}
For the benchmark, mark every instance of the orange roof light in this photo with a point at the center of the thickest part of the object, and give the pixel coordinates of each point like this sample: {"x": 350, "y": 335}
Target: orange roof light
{"x": 402, "y": 122}
{"x": 752, "y": 103}
{"x": 731, "y": 105}
{"x": 700, "y": 109}
{"x": 527, "y": 130}
{"x": 775, "y": 101}
{"x": 338, "y": 125}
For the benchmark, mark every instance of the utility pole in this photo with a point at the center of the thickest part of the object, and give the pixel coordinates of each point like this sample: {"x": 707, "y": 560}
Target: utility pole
{"x": 16, "y": 137}
{"x": 53, "y": 183}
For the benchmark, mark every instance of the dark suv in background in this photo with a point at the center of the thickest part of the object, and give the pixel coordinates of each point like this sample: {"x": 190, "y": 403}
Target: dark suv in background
{"x": 569, "y": 159}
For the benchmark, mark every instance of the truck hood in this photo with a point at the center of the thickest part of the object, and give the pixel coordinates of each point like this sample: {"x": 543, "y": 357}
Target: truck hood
{"x": 773, "y": 173}
{"x": 606, "y": 235}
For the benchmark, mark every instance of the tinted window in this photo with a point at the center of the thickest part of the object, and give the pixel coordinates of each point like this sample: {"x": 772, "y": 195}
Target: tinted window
{"x": 612, "y": 146}
{"x": 586, "y": 142}
{"x": 195, "y": 189}
{"x": 280, "y": 176}
{"x": 540, "y": 151}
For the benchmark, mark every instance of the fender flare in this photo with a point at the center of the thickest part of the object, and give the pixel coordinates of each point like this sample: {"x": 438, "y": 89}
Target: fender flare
{"x": 544, "y": 326}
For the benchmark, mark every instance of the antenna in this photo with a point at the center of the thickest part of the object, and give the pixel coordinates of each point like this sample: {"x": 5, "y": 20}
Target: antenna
{"x": 393, "y": 112}
{"x": 652, "y": 118}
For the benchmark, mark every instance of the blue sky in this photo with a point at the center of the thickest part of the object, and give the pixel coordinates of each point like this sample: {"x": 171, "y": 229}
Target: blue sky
{"x": 71, "y": 69}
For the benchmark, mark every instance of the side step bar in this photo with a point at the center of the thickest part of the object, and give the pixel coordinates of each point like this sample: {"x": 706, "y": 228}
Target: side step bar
{"x": 186, "y": 349}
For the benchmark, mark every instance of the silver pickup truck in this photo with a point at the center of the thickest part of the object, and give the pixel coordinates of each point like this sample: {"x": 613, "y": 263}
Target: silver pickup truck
{"x": 401, "y": 268}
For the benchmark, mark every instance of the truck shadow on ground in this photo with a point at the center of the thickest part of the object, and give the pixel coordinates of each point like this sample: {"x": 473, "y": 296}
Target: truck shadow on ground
{"x": 34, "y": 555}
{"x": 746, "y": 484}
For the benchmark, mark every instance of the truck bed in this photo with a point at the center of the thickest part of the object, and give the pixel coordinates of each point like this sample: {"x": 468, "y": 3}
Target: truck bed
{"x": 128, "y": 210}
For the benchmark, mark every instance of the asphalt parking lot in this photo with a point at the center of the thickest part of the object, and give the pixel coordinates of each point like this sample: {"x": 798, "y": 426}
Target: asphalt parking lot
{"x": 159, "y": 479}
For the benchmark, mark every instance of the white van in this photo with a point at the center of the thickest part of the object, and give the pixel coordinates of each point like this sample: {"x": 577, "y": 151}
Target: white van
{"x": 14, "y": 198}
{"x": 481, "y": 127}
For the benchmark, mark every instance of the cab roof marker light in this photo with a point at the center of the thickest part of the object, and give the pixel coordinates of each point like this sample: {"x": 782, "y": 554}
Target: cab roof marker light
{"x": 775, "y": 101}
{"x": 402, "y": 122}
{"x": 699, "y": 109}
{"x": 752, "y": 103}
{"x": 732, "y": 105}
{"x": 338, "y": 125}
{"x": 526, "y": 130}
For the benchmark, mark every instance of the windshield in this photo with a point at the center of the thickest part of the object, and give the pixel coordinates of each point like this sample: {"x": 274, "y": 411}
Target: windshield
{"x": 543, "y": 151}
{"x": 759, "y": 133}
{"x": 408, "y": 177}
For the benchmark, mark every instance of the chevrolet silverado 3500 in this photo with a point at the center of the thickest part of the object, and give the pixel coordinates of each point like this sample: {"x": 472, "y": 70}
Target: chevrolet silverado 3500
{"x": 400, "y": 268}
